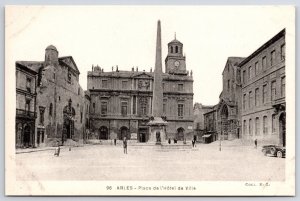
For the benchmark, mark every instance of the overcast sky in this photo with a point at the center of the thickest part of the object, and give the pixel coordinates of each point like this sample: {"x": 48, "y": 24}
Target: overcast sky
{"x": 126, "y": 36}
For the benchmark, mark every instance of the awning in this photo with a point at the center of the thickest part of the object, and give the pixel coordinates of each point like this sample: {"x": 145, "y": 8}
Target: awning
{"x": 204, "y": 136}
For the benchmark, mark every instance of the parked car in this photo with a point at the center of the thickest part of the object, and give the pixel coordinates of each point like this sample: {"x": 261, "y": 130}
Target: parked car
{"x": 274, "y": 150}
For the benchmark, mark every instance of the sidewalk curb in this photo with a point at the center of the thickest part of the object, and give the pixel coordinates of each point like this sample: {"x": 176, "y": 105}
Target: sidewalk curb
{"x": 45, "y": 149}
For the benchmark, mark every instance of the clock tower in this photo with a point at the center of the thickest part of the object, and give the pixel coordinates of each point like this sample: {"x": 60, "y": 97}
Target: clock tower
{"x": 175, "y": 61}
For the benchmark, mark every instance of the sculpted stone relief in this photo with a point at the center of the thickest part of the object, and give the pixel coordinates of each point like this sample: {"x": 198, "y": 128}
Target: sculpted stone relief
{"x": 144, "y": 84}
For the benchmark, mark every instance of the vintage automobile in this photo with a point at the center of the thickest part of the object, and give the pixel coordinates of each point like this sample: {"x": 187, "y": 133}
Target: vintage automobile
{"x": 274, "y": 150}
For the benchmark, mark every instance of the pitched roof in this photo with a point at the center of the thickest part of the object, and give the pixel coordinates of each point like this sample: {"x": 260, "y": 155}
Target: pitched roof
{"x": 32, "y": 65}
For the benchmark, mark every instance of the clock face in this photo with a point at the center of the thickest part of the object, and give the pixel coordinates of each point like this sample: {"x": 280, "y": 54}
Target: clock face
{"x": 176, "y": 63}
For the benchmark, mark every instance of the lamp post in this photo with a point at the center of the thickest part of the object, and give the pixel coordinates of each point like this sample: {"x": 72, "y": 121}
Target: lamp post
{"x": 220, "y": 146}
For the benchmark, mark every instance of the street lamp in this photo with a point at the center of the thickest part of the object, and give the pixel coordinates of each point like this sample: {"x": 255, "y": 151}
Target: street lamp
{"x": 220, "y": 146}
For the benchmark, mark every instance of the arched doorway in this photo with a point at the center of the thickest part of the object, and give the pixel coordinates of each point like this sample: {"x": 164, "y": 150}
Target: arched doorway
{"x": 26, "y": 136}
{"x": 123, "y": 133}
{"x": 180, "y": 134}
{"x": 103, "y": 133}
{"x": 69, "y": 117}
{"x": 224, "y": 122}
{"x": 282, "y": 124}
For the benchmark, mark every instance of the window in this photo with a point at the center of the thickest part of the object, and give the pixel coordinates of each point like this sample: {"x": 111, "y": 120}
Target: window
{"x": 256, "y": 68}
{"x": 282, "y": 86}
{"x": 245, "y": 127}
{"x": 27, "y": 105}
{"x": 180, "y": 110}
{"x": 250, "y": 99}
{"x": 103, "y": 108}
{"x": 94, "y": 107}
{"x": 176, "y": 49}
{"x": 264, "y": 63}
{"x": 264, "y": 93}
{"x": 273, "y": 90}
{"x": 78, "y": 91}
{"x": 28, "y": 84}
{"x": 124, "y": 84}
{"x": 124, "y": 108}
{"x": 250, "y": 72}
{"x": 50, "y": 109}
{"x": 257, "y": 126}
{"x": 171, "y": 49}
{"x": 272, "y": 57}
{"x": 164, "y": 106}
{"x": 273, "y": 123}
{"x": 80, "y": 117}
{"x": 282, "y": 51}
{"x": 180, "y": 87}
{"x": 144, "y": 109}
{"x": 244, "y": 76}
{"x": 42, "y": 111}
{"x": 256, "y": 97}
{"x": 104, "y": 83}
{"x": 134, "y": 105}
{"x": 238, "y": 77}
{"x": 244, "y": 101}
{"x": 228, "y": 85}
{"x": 69, "y": 76}
{"x": 250, "y": 127}
{"x": 265, "y": 126}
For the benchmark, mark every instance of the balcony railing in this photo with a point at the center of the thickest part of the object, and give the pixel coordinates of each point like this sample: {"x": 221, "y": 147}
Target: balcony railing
{"x": 25, "y": 113}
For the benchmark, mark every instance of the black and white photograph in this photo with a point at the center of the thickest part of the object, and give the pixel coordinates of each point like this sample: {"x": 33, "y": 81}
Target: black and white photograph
{"x": 150, "y": 100}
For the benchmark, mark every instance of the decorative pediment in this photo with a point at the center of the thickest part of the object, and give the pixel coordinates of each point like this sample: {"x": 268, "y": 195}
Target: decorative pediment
{"x": 69, "y": 61}
{"x": 142, "y": 75}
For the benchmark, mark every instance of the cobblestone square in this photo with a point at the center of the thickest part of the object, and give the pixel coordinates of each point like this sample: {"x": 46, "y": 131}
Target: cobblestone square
{"x": 108, "y": 162}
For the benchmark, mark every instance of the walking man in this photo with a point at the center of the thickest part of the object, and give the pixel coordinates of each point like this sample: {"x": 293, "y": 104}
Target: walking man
{"x": 115, "y": 141}
{"x": 255, "y": 143}
{"x": 125, "y": 145}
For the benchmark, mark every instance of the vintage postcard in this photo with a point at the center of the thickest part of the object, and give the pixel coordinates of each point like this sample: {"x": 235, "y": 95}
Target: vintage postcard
{"x": 150, "y": 100}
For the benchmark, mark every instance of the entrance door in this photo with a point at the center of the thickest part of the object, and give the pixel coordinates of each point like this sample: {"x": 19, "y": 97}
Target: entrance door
{"x": 282, "y": 124}
{"x": 180, "y": 134}
{"x": 103, "y": 133}
{"x": 143, "y": 135}
{"x": 26, "y": 137}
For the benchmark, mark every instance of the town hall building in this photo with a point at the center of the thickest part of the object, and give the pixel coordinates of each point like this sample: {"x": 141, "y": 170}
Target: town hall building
{"x": 121, "y": 101}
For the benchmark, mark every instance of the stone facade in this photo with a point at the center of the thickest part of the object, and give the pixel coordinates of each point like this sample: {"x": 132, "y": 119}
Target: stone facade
{"x": 25, "y": 106}
{"x": 228, "y": 112}
{"x": 210, "y": 122}
{"x": 199, "y": 123}
{"x": 59, "y": 102}
{"x": 252, "y": 102}
{"x": 263, "y": 92}
{"x": 121, "y": 101}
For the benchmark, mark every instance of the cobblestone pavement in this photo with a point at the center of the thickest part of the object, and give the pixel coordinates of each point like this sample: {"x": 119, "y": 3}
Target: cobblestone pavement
{"x": 107, "y": 162}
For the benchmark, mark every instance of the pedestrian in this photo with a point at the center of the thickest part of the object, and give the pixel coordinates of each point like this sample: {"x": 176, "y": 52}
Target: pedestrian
{"x": 255, "y": 143}
{"x": 115, "y": 141}
{"x": 125, "y": 145}
{"x": 193, "y": 143}
{"x": 57, "y": 151}
{"x": 169, "y": 141}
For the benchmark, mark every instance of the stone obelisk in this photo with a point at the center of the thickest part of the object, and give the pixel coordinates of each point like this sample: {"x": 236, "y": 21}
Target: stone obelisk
{"x": 157, "y": 89}
{"x": 157, "y": 130}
